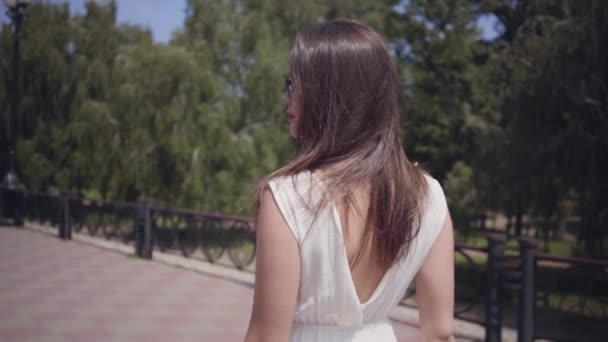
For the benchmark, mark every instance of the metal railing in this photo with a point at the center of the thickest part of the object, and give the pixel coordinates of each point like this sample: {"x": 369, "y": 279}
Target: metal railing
{"x": 540, "y": 296}
{"x": 571, "y": 298}
{"x": 213, "y": 237}
{"x": 207, "y": 236}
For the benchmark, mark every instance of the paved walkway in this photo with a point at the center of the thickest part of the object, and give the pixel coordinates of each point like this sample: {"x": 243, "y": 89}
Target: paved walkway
{"x": 53, "y": 290}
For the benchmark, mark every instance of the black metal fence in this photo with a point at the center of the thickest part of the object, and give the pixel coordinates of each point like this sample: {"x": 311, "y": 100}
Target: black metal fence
{"x": 571, "y": 298}
{"x": 541, "y": 296}
{"x": 216, "y": 238}
{"x": 209, "y": 236}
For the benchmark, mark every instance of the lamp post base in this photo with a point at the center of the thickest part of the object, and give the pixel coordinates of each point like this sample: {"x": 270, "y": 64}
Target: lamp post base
{"x": 12, "y": 192}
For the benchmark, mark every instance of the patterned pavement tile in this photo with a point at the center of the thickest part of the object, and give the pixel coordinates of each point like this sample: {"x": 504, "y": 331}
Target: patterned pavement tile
{"x": 54, "y": 290}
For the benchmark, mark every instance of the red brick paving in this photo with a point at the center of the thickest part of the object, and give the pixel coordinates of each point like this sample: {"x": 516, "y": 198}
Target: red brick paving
{"x": 54, "y": 290}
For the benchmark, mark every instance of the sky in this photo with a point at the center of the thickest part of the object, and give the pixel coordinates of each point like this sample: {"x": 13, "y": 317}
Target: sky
{"x": 163, "y": 17}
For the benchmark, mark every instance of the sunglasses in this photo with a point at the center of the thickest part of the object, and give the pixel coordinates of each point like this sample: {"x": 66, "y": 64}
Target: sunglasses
{"x": 288, "y": 87}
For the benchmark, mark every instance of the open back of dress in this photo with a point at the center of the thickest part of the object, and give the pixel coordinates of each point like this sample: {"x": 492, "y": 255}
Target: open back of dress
{"x": 328, "y": 308}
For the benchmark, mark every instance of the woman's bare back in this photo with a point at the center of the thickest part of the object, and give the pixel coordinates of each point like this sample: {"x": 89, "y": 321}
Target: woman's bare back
{"x": 368, "y": 272}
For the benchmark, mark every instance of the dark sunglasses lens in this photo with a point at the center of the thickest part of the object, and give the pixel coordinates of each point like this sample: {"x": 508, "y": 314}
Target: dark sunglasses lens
{"x": 288, "y": 87}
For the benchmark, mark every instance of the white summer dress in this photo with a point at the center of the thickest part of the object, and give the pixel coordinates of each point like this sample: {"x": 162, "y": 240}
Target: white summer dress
{"x": 328, "y": 308}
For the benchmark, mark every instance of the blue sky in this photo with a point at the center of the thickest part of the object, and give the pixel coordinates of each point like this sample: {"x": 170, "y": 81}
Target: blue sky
{"x": 163, "y": 17}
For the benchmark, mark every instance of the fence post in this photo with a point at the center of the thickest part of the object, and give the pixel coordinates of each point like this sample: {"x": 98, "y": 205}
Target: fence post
{"x": 143, "y": 230}
{"x": 65, "y": 225}
{"x": 527, "y": 294}
{"x": 493, "y": 322}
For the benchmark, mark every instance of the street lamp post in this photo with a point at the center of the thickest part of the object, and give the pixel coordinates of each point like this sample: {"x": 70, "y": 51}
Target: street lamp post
{"x": 10, "y": 182}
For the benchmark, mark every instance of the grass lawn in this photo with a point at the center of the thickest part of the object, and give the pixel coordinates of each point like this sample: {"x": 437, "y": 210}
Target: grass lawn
{"x": 558, "y": 248}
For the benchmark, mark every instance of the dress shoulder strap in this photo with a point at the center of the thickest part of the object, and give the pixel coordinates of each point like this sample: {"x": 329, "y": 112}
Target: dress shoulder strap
{"x": 297, "y": 198}
{"x": 434, "y": 214}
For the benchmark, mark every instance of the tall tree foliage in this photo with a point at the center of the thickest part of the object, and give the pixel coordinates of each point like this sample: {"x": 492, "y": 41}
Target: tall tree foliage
{"x": 553, "y": 67}
{"x": 446, "y": 96}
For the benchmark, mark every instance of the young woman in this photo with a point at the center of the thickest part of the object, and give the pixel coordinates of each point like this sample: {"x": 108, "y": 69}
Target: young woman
{"x": 344, "y": 228}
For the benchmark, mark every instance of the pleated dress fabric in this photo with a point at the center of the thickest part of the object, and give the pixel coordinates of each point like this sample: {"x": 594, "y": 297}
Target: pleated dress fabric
{"x": 328, "y": 308}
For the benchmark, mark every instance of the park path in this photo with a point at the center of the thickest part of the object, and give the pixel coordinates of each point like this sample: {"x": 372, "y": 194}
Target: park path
{"x": 54, "y": 290}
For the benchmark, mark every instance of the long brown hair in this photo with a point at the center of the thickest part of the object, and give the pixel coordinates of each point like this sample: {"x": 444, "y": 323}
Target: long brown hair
{"x": 349, "y": 129}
